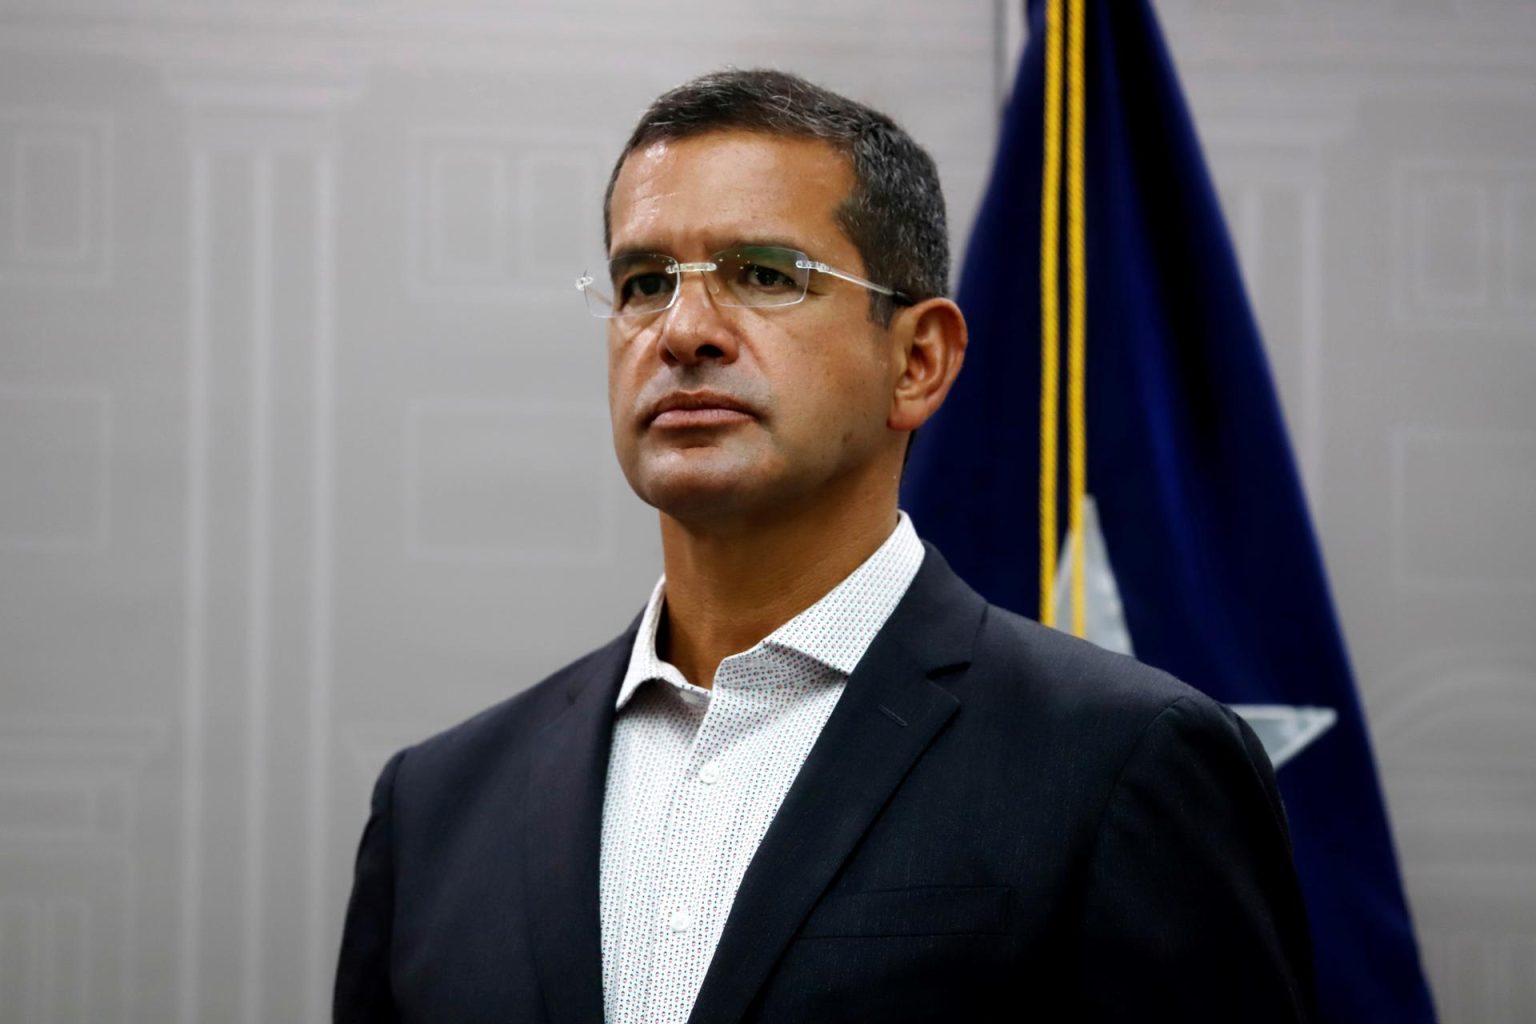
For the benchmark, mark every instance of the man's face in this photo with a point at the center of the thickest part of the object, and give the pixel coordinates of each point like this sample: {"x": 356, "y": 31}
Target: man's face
{"x": 722, "y": 412}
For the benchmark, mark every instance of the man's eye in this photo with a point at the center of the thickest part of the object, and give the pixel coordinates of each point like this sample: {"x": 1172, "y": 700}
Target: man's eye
{"x": 759, "y": 276}
{"x": 644, "y": 286}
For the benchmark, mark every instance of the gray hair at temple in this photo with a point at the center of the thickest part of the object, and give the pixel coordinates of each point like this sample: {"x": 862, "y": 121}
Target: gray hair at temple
{"x": 894, "y": 215}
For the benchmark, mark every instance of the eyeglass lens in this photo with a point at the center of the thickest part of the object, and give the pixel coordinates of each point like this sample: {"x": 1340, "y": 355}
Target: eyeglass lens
{"x": 755, "y": 275}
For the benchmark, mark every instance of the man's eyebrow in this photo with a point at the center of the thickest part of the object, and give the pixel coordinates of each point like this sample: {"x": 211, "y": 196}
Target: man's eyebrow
{"x": 773, "y": 242}
{"x": 753, "y": 241}
{"x": 637, "y": 250}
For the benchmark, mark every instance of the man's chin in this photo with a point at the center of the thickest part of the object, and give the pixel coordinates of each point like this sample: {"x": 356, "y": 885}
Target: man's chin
{"x": 694, "y": 489}
{"x": 699, "y": 503}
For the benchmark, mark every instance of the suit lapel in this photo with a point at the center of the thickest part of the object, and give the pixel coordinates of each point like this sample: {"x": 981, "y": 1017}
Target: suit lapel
{"x": 889, "y": 713}
{"x": 563, "y": 833}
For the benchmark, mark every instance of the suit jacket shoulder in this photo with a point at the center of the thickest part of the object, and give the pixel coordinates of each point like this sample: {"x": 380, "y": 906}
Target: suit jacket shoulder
{"x": 1044, "y": 668}
{"x": 480, "y": 858}
{"x": 526, "y": 712}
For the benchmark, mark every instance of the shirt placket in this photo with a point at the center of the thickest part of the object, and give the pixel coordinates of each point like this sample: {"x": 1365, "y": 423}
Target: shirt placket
{"x": 653, "y": 783}
{"x": 696, "y": 850}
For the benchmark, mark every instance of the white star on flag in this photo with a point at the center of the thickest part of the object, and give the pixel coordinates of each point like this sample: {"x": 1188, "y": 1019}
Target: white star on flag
{"x": 1285, "y": 730}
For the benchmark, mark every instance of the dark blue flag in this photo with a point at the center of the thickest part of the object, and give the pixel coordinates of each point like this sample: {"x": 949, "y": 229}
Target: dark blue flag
{"x": 1219, "y": 577}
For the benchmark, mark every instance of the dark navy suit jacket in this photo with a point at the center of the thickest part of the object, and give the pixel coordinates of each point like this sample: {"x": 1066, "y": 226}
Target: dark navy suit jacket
{"x": 998, "y": 822}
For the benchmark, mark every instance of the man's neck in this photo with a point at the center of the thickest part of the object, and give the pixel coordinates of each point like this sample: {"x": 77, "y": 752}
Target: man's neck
{"x": 726, "y": 590}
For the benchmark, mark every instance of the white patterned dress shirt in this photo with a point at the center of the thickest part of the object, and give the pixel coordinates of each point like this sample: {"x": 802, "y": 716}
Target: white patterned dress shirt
{"x": 695, "y": 776}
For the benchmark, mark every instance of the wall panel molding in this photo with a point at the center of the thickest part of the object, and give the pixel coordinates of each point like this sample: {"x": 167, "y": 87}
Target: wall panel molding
{"x": 56, "y": 197}
{"x": 72, "y": 792}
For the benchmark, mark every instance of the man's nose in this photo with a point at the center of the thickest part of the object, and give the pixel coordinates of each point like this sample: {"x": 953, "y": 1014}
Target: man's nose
{"x": 696, "y": 329}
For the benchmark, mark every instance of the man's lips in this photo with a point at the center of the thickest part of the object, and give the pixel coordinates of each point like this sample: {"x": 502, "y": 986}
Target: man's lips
{"x": 698, "y": 409}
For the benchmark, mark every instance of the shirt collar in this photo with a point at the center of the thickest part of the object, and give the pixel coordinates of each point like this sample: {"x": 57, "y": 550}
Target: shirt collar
{"x": 835, "y": 631}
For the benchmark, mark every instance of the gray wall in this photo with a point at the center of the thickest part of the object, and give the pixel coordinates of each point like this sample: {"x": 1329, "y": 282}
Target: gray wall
{"x": 303, "y": 450}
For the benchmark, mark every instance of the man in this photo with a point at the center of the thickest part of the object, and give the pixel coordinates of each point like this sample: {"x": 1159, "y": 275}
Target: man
{"x": 818, "y": 778}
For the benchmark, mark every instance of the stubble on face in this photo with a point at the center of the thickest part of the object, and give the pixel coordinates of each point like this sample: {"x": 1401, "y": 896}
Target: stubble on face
{"x": 695, "y": 469}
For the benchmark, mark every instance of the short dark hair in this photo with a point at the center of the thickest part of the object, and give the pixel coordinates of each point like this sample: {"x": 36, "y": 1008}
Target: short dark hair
{"x": 894, "y": 215}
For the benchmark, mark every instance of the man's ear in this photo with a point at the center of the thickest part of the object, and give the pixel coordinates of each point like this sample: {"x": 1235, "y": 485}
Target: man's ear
{"x": 930, "y": 340}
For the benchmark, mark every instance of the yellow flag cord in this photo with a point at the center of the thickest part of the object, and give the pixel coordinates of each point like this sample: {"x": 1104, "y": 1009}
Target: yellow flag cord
{"x": 1050, "y": 327}
{"x": 1050, "y": 310}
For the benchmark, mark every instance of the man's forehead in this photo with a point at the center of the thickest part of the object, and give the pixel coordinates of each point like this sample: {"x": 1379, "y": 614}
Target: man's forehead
{"x": 729, "y": 141}
{"x": 725, "y": 187}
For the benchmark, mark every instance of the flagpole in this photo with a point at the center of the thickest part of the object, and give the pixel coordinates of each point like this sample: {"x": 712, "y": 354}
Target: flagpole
{"x": 1077, "y": 320}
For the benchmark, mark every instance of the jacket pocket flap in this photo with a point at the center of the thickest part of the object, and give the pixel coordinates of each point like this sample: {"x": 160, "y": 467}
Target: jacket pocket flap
{"x": 930, "y": 910}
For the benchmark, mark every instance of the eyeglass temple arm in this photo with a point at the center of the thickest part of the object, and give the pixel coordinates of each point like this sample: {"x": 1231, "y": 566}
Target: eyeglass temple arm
{"x": 586, "y": 282}
{"x": 822, "y": 268}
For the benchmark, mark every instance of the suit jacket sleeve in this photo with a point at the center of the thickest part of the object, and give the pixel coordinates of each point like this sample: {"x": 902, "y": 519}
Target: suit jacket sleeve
{"x": 362, "y": 973}
{"x": 1191, "y": 908}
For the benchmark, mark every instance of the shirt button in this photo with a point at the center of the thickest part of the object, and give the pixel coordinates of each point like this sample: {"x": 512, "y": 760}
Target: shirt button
{"x": 709, "y": 774}
{"x": 681, "y": 921}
